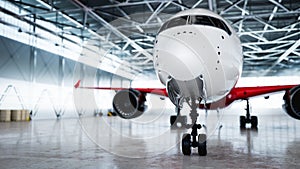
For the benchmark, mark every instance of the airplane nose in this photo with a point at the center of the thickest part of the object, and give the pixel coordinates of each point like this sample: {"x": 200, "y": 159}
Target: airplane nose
{"x": 177, "y": 57}
{"x": 188, "y": 56}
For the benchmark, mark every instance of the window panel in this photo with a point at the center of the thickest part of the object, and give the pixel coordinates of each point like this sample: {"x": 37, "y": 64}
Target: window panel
{"x": 196, "y": 20}
{"x": 220, "y": 24}
{"x": 174, "y": 22}
{"x": 200, "y": 20}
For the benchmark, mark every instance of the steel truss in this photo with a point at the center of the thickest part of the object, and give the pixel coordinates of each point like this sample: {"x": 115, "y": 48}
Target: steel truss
{"x": 268, "y": 29}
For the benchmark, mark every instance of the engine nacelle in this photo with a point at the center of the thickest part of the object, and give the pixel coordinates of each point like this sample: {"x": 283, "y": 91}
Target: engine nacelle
{"x": 292, "y": 102}
{"x": 129, "y": 103}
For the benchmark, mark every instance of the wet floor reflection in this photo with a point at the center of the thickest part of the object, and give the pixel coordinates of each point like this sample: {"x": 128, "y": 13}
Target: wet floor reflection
{"x": 110, "y": 142}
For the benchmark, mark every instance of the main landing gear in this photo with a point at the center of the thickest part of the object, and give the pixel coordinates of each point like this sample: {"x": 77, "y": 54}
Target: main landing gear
{"x": 248, "y": 119}
{"x": 190, "y": 140}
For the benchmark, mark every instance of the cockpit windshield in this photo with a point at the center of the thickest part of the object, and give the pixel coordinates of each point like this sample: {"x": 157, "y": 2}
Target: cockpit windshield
{"x": 196, "y": 20}
{"x": 200, "y": 20}
{"x": 220, "y": 24}
{"x": 174, "y": 22}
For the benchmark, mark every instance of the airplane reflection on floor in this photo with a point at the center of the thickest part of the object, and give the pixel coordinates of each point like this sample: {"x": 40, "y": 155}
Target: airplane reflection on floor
{"x": 110, "y": 142}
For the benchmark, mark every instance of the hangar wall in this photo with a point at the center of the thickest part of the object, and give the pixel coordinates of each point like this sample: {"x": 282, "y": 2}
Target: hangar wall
{"x": 45, "y": 81}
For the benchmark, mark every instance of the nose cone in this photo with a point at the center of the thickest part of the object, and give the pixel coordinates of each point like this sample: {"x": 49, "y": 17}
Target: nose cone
{"x": 188, "y": 52}
{"x": 177, "y": 58}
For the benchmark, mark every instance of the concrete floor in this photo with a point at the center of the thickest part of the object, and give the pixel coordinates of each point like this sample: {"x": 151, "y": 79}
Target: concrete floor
{"x": 148, "y": 142}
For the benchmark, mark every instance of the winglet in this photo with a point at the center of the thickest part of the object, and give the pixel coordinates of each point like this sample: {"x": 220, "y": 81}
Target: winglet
{"x": 77, "y": 84}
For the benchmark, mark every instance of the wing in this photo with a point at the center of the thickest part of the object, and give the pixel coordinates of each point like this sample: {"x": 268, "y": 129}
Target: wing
{"x": 247, "y": 92}
{"x": 157, "y": 91}
{"x": 242, "y": 93}
{"x": 237, "y": 93}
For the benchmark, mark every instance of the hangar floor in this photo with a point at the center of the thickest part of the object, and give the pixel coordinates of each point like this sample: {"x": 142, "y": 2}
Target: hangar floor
{"x": 109, "y": 142}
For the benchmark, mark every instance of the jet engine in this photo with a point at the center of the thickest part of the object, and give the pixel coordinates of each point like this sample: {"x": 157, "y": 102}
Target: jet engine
{"x": 292, "y": 102}
{"x": 129, "y": 103}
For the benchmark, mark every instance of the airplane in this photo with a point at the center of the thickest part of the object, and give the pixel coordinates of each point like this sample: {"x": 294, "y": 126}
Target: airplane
{"x": 198, "y": 58}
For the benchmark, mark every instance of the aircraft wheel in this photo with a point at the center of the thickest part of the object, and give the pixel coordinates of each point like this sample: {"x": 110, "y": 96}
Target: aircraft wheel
{"x": 202, "y": 151}
{"x": 242, "y": 122}
{"x": 186, "y": 144}
{"x": 254, "y": 121}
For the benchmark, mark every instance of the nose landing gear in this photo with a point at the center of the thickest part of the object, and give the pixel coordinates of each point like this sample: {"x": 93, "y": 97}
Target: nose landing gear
{"x": 190, "y": 140}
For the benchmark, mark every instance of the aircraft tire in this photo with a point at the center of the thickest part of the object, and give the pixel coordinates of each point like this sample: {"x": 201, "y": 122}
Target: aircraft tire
{"x": 202, "y": 150}
{"x": 254, "y": 121}
{"x": 242, "y": 122}
{"x": 186, "y": 144}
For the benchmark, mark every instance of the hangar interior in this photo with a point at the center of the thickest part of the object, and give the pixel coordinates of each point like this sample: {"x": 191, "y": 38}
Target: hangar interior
{"x": 46, "y": 46}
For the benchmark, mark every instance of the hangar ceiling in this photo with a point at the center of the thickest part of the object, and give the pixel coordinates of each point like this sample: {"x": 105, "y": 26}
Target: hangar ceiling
{"x": 269, "y": 29}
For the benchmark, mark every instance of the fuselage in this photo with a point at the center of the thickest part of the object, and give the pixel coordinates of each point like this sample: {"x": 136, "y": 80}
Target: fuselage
{"x": 198, "y": 54}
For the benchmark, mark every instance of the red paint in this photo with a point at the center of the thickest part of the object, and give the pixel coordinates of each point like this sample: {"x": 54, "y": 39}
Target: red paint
{"x": 238, "y": 93}
{"x": 157, "y": 91}
{"x": 246, "y": 92}
{"x": 77, "y": 84}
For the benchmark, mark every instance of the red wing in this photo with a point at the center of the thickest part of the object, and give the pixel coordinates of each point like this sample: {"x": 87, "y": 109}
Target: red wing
{"x": 237, "y": 93}
{"x": 247, "y": 92}
{"x": 157, "y": 91}
{"x": 240, "y": 93}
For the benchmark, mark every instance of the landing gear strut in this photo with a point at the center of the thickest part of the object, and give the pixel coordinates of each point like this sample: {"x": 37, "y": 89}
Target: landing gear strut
{"x": 248, "y": 119}
{"x": 190, "y": 140}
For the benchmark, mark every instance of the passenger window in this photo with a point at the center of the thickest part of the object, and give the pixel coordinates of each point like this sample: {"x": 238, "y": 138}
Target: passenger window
{"x": 200, "y": 20}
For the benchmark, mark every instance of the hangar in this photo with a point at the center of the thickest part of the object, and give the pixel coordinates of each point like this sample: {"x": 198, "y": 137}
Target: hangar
{"x": 48, "y": 45}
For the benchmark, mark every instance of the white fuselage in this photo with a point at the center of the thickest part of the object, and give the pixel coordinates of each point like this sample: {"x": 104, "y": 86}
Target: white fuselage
{"x": 185, "y": 52}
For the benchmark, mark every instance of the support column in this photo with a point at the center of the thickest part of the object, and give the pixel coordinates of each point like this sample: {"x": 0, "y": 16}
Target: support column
{"x": 111, "y": 79}
{"x": 33, "y": 58}
{"x": 82, "y": 72}
{"x": 98, "y": 75}
{"x": 61, "y": 72}
{"x": 33, "y": 63}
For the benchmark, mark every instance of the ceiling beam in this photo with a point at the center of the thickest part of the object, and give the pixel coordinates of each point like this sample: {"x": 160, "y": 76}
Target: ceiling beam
{"x": 258, "y": 15}
{"x": 279, "y": 5}
{"x": 243, "y": 14}
{"x": 130, "y": 4}
{"x": 284, "y": 56}
{"x": 287, "y": 52}
{"x": 212, "y": 5}
{"x": 112, "y": 28}
{"x": 155, "y": 13}
{"x": 196, "y": 4}
{"x": 230, "y": 7}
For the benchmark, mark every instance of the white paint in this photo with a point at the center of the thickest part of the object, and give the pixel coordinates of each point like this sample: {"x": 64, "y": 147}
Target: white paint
{"x": 188, "y": 51}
